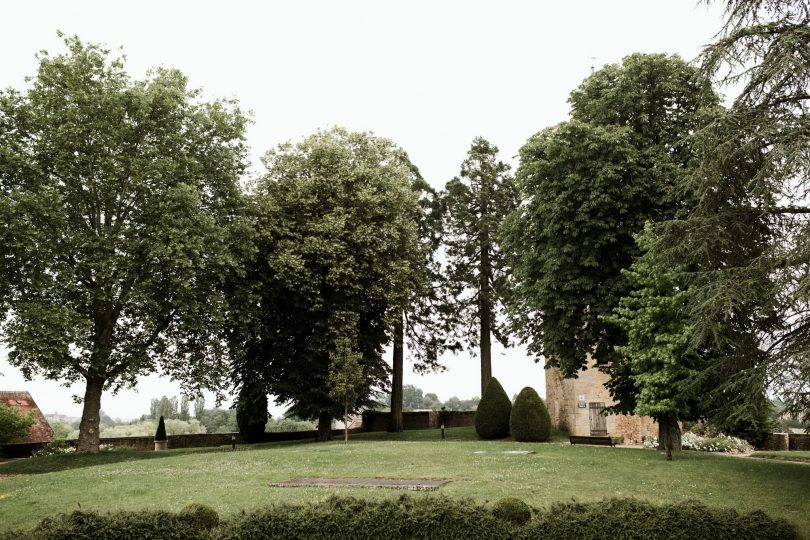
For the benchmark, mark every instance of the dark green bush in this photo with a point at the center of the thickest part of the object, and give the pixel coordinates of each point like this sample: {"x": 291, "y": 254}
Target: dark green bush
{"x": 529, "y": 420}
{"x": 203, "y": 516}
{"x": 160, "y": 434}
{"x": 512, "y": 510}
{"x": 425, "y": 517}
{"x": 150, "y": 525}
{"x": 492, "y": 415}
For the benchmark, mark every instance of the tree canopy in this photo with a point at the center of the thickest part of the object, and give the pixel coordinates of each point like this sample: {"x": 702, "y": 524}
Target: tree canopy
{"x": 120, "y": 214}
{"x": 339, "y": 252}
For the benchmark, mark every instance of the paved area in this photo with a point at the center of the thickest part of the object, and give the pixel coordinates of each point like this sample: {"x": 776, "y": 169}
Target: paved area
{"x": 391, "y": 483}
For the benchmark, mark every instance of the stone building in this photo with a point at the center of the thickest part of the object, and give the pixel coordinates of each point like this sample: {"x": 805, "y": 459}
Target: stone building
{"x": 576, "y": 406}
{"x": 40, "y": 432}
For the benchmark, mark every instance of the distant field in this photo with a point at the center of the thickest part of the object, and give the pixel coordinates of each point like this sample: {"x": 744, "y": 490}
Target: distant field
{"x": 232, "y": 481}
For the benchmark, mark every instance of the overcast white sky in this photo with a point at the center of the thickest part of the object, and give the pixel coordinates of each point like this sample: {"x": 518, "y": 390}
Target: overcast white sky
{"x": 430, "y": 75}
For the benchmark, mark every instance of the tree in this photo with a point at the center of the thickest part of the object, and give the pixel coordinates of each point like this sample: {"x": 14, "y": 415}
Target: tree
{"x": 121, "y": 213}
{"x": 199, "y": 406}
{"x": 337, "y": 236}
{"x": 184, "y": 409}
{"x": 426, "y": 321}
{"x": 756, "y": 154}
{"x": 346, "y": 381}
{"x": 663, "y": 363}
{"x": 476, "y": 203}
{"x": 160, "y": 433}
{"x": 589, "y": 186}
{"x": 14, "y": 424}
{"x": 251, "y": 412}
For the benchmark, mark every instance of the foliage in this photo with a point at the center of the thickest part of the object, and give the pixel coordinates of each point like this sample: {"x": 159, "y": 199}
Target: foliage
{"x": 492, "y": 415}
{"x": 121, "y": 214}
{"x": 151, "y": 524}
{"x": 346, "y": 381}
{"x": 203, "y": 516}
{"x": 529, "y": 420}
{"x": 434, "y": 517}
{"x": 251, "y": 412}
{"x": 14, "y": 424}
{"x": 219, "y": 420}
{"x": 55, "y": 448}
{"x": 588, "y": 187}
{"x": 476, "y": 203}
{"x": 414, "y": 399}
{"x": 751, "y": 184}
{"x": 160, "y": 433}
{"x": 287, "y": 424}
{"x": 513, "y": 510}
{"x": 338, "y": 236}
{"x": 720, "y": 443}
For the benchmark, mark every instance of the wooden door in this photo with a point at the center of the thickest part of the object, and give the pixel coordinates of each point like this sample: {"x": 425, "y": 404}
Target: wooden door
{"x": 598, "y": 420}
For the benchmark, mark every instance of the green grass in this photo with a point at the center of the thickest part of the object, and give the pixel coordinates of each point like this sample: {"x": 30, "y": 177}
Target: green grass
{"x": 231, "y": 481}
{"x": 802, "y": 456}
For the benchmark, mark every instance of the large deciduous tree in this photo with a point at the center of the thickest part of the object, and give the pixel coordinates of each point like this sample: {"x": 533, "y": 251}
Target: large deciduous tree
{"x": 588, "y": 187}
{"x": 339, "y": 243}
{"x": 476, "y": 204}
{"x": 119, "y": 217}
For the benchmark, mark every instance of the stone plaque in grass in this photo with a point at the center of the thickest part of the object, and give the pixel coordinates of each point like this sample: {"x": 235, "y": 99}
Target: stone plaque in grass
{"x": 412, "y": 484}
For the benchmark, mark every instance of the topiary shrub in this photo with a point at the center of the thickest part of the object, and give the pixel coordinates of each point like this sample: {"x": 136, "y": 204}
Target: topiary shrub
{"x": 160, "y": 434}
{"x": 529, "y": 420}
{"x": 512, "y": 510}
{"x": 492, "y": 415}
{"x": 201, "y": 515}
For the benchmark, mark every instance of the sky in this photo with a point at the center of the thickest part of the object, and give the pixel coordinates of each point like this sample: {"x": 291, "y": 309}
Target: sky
{"x": 429, "y": 75}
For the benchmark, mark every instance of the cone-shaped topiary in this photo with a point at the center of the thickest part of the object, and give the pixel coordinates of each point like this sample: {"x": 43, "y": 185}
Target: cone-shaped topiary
{"x": 160, "y": 434}
{"x": 492, "y": 415}
{"x": 529, "y": 421}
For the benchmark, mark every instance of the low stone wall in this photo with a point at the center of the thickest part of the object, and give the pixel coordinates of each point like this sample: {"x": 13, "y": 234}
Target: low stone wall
{"x": 799, "y": 441}
{"x": 378, "y": 421}
{"x": 776, "y": 441}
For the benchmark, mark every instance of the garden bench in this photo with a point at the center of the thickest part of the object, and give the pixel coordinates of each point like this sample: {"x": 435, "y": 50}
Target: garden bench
{"x": 605, "y": 440}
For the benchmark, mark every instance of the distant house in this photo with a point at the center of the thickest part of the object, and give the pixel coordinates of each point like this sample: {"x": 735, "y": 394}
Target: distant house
{"x": 41, "y": 431}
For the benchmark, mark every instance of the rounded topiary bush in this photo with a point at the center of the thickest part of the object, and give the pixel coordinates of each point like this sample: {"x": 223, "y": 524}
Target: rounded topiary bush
{"x": 529, "y": 420}
{"x": 201, "y": 515}
{"x": 160, "y": 434}
{"x": 492, "y": 415}
{"x": 513, "y": 510}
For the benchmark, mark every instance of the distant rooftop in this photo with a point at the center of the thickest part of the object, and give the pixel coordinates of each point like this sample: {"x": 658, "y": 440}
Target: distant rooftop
{"x": 41, "y": 431}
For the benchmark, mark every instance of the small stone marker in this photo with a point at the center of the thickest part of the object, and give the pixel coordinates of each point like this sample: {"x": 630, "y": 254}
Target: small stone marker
{"x": 506, "y": 452}
{"x": 391, "y": 483}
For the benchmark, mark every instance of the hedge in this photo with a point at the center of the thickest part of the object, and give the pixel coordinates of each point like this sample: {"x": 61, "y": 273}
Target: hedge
{"x": 529, "y": 420}
{"x": 426, "y": 517}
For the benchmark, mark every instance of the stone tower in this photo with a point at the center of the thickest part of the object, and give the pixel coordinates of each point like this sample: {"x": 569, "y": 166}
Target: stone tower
{"x": 576, "y": 406}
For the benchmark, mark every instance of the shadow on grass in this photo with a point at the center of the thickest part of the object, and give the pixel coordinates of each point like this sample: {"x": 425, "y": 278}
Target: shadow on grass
{"x": 64, "y": 462}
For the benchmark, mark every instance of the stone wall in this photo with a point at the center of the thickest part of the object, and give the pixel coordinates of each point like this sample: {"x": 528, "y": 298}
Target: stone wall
{"x": 568, "y": 405}
{"x": 378, "y": 421}
{"x": 776, "y": 441}
{"x": 799, "y": 441}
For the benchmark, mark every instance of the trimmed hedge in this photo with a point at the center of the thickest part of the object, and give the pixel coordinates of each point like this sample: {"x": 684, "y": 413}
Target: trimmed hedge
{"x": 426, "y": 517}
{"x": 529, "y": 420}
{"x": 492, "y": 415}
{"x": 513, "y": 510}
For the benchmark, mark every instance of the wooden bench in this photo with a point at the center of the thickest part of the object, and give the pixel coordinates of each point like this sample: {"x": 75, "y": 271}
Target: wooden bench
{"x": 605, "y": 440}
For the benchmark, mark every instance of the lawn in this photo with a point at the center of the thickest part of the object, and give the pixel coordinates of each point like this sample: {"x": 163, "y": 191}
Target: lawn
{"x": 802, "y": 456}
{"x": 232, "y": 481}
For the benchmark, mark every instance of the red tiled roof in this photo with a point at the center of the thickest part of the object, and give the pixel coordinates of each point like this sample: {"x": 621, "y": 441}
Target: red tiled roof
{"x": 41, "y": 431}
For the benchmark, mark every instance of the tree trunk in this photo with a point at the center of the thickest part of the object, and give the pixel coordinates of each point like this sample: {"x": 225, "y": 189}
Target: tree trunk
{"x": 346, "y": 424}
{"x": 669, "y": 435}
{"x": 395, "y": 422}
{"x": 324, "y": 426}
{"x": 485, "y": 312}
{"x": 91, "y": 416}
